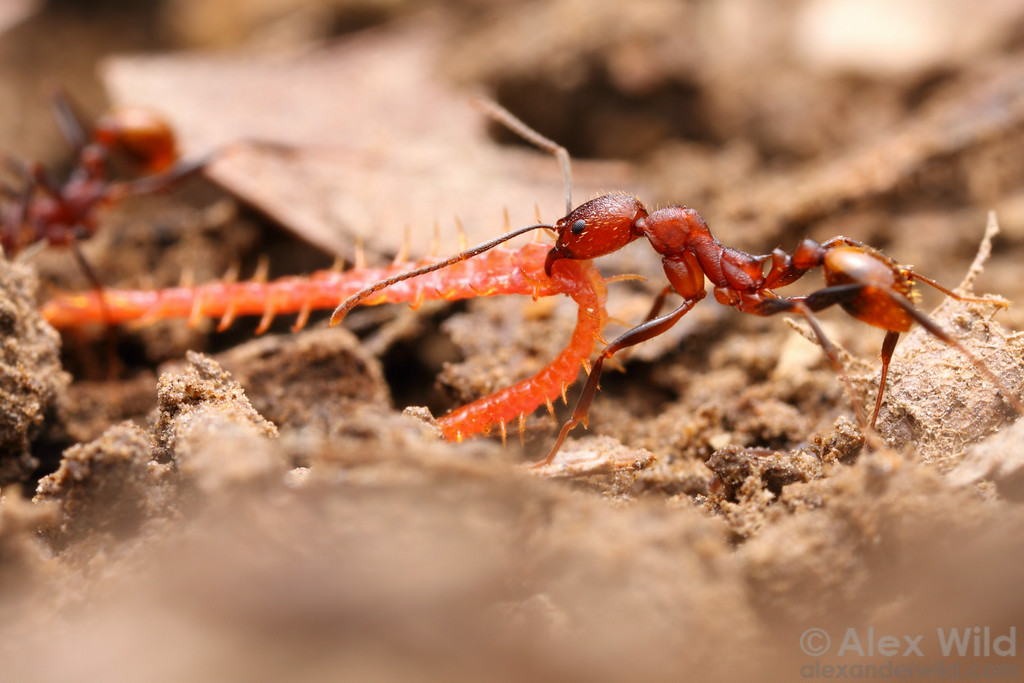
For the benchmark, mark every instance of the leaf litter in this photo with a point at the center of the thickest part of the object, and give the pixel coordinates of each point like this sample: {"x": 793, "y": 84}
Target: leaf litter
{"x": 353, "y": 540}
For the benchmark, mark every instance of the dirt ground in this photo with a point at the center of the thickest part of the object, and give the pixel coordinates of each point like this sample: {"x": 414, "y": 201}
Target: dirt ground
{"x": 181, "y": 503}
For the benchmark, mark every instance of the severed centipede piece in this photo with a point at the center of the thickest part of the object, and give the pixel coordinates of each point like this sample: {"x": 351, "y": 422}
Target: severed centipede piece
{"x": 500, "y": 271}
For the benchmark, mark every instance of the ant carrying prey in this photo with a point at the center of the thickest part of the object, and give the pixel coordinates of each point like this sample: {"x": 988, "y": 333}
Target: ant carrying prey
{"x": 866, "y": 283}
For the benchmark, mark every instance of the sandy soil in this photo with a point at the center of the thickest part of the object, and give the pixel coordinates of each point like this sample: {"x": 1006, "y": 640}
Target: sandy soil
{"x": 180, "y": 503}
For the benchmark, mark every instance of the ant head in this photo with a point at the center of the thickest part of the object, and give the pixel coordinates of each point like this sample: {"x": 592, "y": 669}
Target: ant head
{"x": 139, "y": 133}
{"x": 598, "y": 227}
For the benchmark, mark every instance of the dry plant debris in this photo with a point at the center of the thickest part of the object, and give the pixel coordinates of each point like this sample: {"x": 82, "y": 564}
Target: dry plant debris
{"x": 264, "y": 509}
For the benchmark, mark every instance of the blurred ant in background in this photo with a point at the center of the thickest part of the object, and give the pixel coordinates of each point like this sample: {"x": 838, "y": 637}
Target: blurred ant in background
{"x": 37, "y": 210}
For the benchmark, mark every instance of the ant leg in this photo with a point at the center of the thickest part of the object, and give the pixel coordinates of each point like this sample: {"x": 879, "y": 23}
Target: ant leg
{"x": 659, "y": 303}
{"x": 806, "y": 306}
{"x": 40, "y": 178}
{"x": 950, "y": 293}
{"x": 113, "y": 365}
{"x": 832, "y": 353}
{"x": 160, "y": 181}
{"x": 69, "y": 121}
{"x": 936, "y": 331}
{"x": 640, "y": 333}
{"x": 10, "y": 192}
{"x": 512, "y": 122}
{"x": 888, "y": 346}
{"x": 17, "y": 233}
{"x": 90, "y": 274}
{"x": 31, "y": 175}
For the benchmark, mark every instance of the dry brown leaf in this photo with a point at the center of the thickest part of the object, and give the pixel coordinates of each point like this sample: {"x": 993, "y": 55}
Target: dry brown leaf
{"x": 13, "y": 12}
{"x": 361, "y": 141}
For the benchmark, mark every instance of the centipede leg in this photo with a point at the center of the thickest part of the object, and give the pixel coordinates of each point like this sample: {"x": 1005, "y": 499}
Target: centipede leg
{"x": 640, "y": 333}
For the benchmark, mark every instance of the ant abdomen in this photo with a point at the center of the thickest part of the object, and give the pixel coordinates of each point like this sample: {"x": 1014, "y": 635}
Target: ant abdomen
{"x": 878, "y": 279}
{"x": 139, "y": 133}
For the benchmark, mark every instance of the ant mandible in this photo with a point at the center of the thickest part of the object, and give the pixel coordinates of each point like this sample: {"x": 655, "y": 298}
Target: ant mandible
{"x": 866, "y": 283}
{"x": 44, "y": 211}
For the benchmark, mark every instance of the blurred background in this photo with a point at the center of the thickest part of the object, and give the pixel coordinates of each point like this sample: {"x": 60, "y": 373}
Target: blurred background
{"x": 899, "y": 122}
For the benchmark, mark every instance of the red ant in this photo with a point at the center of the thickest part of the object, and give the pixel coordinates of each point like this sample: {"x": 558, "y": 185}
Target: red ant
{"x": 44, "y": 211}
{"x": 867, "y": 284}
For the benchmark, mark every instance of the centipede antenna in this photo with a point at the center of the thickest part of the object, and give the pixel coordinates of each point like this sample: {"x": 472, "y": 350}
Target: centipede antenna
{"x": 514, "y": 124}
{"x": 348, "y": 304}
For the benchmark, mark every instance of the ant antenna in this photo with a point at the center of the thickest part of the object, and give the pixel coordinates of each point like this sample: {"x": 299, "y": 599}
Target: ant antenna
{"x": 348, "y": 304}
{"x": 510, "y": 121}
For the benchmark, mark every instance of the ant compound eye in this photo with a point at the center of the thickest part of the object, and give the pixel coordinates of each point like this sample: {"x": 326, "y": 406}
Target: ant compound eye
{"x": 578, "y": 227}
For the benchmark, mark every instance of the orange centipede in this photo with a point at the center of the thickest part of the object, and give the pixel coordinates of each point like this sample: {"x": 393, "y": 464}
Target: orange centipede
{"x": 498, "y": 272}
